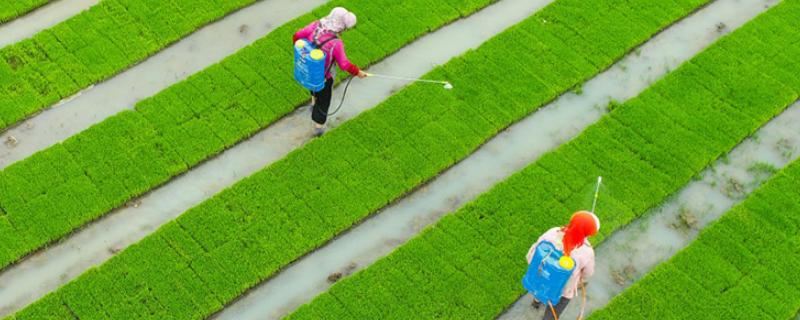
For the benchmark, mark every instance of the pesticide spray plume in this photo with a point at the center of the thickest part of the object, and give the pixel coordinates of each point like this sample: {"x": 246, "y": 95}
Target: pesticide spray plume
{"x": 596, "y": 193}
{"x": 447, "y": 85}
{"x": 583, "y": 287}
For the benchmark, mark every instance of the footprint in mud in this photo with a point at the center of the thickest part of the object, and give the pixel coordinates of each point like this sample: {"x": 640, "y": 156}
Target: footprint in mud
{"x": 134, "y": 204}
{"x": 243, "y": 29}
{"x": 624, "y": 276}
{"x": 721, "y": 27}
{"x": 336, "y": 276}
{"x": 685, "y": 221}
{"x": 11, "y": 142}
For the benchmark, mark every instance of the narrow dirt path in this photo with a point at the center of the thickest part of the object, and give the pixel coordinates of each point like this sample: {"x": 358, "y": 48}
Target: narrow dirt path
{"x": 504, "y": 155}
{"x": 190, "y": 55}
{"x": 46, "y": 270}
{"x": 51, "y": 14}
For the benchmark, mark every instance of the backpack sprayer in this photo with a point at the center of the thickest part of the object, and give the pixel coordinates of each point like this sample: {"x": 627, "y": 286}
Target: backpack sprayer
{"x": 550, "y": 269}
{"x": 309, "y": 70}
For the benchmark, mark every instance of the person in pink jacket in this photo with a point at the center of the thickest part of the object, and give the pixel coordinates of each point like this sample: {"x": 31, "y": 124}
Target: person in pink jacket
{"x": 325, "y": 35}
{"x": 572, "y": 240}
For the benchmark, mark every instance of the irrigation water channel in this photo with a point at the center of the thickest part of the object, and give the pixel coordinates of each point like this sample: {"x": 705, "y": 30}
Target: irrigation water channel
{"x": 46, "y": 270}
{"x": 631, "y": 252}
{"x": 505, "y": 154}
{"x": 189, "y": 55}
{"x": 502, "y": 156}
{"x": 40, "y": 19}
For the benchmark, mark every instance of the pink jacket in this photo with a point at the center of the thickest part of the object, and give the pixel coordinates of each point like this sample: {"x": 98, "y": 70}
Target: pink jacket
{"x": 335, "y": 46}
{"x": 583, "y": 256}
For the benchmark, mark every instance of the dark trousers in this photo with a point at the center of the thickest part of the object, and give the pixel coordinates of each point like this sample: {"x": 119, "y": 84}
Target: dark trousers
{"x": 319, "y": 112}
{"x": 560, "y": 306}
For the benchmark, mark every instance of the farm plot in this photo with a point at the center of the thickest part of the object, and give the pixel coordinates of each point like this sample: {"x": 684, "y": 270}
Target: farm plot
{"x": 634, "y": 250}
{"x": 171, "y": 132}
{"x": 503, "y": 155}
{"x": 470, "y": 263}
{"x": 99, "y": 241}
{"x": 249, "y": 231}
{"x": 9, "y": 10}
{"x": 740, "y": 267}
{"x": 93, "y": 46}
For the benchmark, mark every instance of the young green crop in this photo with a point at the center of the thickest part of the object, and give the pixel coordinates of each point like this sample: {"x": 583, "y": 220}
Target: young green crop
{"x": 10, "y": 10}
{"x": 742, "y": 266}
{"x": 92, "y": 46}
{"x": 217, "y": 250}
{"x": 469, "y": 265}
{"x": 51, "y": 193}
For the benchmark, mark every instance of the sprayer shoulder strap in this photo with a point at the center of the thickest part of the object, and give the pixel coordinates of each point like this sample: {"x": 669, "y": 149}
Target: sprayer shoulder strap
{"x": 320, "y": 44}
{"x": 317, "y": 34}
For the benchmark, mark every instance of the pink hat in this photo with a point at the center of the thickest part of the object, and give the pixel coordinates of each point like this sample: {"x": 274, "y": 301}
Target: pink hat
{"x": 350, "y": 20}
{"x": 339, "y": 20}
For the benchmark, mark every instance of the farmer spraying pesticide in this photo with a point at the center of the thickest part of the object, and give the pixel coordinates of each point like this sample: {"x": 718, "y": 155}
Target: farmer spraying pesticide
{"x": 317, "y": 47}
{"x": 560, "y": 261}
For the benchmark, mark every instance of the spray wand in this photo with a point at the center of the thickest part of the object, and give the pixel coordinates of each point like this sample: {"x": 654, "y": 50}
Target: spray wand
{"x": 596, "y": 193}
{"x": 594, "y": 206}
{"x": 447, "y": 86}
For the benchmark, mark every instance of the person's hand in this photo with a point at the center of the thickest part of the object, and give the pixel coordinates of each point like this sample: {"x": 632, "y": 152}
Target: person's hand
{"x": 362, "y": 74}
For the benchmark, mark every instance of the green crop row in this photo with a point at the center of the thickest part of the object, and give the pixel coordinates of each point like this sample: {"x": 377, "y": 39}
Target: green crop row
{"x": 51, "y": 193}
{"x": 233, "y": 241}
{"x": 93, "y": 46}
{"x": 741, "y": 267}
{"x": 10, "y": 10}
{"x": 469, "y": 265}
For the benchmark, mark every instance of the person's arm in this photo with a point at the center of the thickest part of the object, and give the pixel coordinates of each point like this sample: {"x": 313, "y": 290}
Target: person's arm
{"x": 588, "y": 270}
{"x": 340, "y": 57}
{"x": 304, "y": 33}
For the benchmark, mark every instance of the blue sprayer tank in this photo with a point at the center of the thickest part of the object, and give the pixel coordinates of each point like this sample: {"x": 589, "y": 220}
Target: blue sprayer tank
{"x": 309, "y": 65}
{"x": 548, "y": 273}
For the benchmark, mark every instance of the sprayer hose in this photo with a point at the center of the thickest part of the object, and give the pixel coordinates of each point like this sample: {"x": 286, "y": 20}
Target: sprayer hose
{"x": 552, "y": 309}
{"x": 344, "y": 94}
{"x": 583, "y": 305}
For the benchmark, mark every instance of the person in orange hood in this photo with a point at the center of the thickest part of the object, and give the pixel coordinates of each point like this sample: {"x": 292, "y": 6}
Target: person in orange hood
{"x": 572, "y": 240}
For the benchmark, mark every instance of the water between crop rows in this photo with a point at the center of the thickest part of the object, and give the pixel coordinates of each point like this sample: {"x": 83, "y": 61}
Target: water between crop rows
{"x": 633, "y": 251}
{"x": 636, "y": 249}
{"x": 48, "y": 269}
{"x": 189, "y": 55}
{"x": 507, "y": 153}
{"x": 49, "y": 15}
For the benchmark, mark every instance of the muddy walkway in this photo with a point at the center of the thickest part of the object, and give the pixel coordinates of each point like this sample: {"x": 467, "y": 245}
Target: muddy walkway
{"x": 633, "y": 251}
{"x": 48, "y": 269}
{"x": 40, "y": 19}
{"x": 189, "y": 55}
{"x": 507, "y": 153}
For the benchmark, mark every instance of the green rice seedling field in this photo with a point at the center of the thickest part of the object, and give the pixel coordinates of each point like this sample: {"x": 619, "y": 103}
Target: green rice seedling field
{"x": 466, "y": 265}
{"x": 12, "y": 9}
{"x": 641, "y": 148}
{"x": 745, "y": 259}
